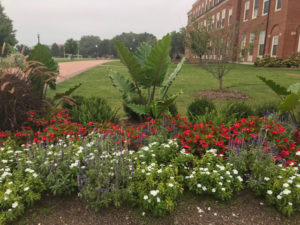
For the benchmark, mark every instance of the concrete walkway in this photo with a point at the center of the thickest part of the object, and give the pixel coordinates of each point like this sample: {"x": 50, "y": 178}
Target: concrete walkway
{"x": 71, "y": 69}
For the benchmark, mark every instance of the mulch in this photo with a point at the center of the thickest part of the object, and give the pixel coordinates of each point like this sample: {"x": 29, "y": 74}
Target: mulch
{"x": 225, "y": 94}
{"x": 243, "y": 209}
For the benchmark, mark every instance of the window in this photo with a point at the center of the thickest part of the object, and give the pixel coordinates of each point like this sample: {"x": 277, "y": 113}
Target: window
{"x": 213, "y": 21}
{"x": 261, "y": 43}
{"x": 223, "y": 17}
{"x": 210, "y": 6}
{"x": 218, "y": 20}
{"x": 266, "y": 6}
{"x": 298, "y": 50}
{"x": 278, "y": 5}
{"x": 246, "y": 13}
{"x": 243, "y": 46}
{"x": 230, "y": 16}
{"x": 255, "y": 9}
{"x": 251, "y": 42}
{"x": 275, "y": 45}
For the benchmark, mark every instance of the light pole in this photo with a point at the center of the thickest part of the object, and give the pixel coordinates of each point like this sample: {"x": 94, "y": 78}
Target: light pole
{"x": 96, "y": 51}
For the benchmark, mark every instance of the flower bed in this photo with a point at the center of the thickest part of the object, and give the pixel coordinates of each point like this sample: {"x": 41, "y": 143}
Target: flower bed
{"x": 148, "y": 166}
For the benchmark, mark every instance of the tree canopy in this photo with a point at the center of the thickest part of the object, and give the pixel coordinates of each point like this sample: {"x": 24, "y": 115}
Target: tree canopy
{"x": 89, "y": 45}
{"x": 71, "y": 47}
{"x": 7, "y": 33}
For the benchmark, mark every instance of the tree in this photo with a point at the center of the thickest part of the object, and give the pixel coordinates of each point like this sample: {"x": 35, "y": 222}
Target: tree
{"x": 42, "y": 54}
{"x": 106, "y": 48}
{"x": 55, "y": 50}
{"x": 71, "y": 47}
{"x": 216, "y": 48}
{"x": 177, "y": 43}
{"x": 7, "y": 33}
{"x": 88, "y": 46}
{"x": 23, "y": 49}
{"x": 133, "y": 40}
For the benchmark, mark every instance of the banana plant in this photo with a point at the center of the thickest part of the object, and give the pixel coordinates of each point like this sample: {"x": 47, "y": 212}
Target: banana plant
{"x": 290, "y": 97}
{"x": 147, "y": 69}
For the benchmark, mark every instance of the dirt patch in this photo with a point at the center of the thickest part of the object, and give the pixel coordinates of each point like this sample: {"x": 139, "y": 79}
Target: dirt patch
{"x": 244, "y": 209}
{"x": 224, "y": 94}
{"x": 293, "y": 75}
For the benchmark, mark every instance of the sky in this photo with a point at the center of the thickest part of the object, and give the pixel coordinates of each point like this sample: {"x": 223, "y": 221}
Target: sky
{"x": 59, "y": 20}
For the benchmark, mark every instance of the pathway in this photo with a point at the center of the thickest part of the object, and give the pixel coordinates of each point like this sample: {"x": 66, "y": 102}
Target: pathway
{"x": 71, "y": 69}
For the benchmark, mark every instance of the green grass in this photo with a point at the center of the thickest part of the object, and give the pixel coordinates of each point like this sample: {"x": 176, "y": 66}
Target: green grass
{"x": 191, "y": 80}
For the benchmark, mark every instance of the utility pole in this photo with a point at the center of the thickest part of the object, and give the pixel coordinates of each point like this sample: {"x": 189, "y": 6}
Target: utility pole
{"x": 38, "y": 36}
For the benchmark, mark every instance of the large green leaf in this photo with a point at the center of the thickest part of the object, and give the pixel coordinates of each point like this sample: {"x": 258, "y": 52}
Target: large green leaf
{"x": 165, "y": 87}
{"x": 67, "y": 92}
{"x": 157, "y": 62}
{"x": 139, "y": 109}
{"x": 280, "y": 90}
{"x": 295, "y": 88}
{"x": 123, "y": 84}
{"x": 290, "y": 102}
{"x": 131, "y": 62}
{"x": 142, "y": 53}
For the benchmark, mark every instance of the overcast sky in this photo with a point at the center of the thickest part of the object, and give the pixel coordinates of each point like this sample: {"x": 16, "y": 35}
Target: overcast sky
{"x": 58, "y": 20}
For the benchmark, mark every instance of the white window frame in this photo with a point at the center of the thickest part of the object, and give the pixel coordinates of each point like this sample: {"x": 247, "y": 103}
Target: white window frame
{"x": 273, "y": 42}
{"x": 218, "y": 20}
{"x": 276, "y": 10}
{"x": 223, "y": 18}
{"x": 263, "y": 8}
{"x": 243, "y": 45}
{"x": 213, "y": 21}
{"x": 247, "y": 7}
{"x": 255, "y": 12}
{"x": 252, "y": 37}
{"x": 262, "y": 37}
{"x": 230, "y": 15}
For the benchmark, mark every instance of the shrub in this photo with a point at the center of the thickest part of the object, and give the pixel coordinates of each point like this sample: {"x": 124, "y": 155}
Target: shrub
{"x": 199, "y": 107}
{"x": 42, "y": 54}
{"x": 215, "y": 117}
{"x": 237, "y": 110}
{"x": 292, "y": 61}
{"x": 268, "y": 61}
{"x": 91, "y": 109}
{"x": 266, "y": 108}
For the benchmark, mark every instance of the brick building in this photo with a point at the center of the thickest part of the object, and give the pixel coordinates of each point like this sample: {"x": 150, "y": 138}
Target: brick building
{"x": 273, "y": 26}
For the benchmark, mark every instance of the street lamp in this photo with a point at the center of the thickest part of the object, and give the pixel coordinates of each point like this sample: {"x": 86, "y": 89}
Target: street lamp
{"x": 97, "y": 51}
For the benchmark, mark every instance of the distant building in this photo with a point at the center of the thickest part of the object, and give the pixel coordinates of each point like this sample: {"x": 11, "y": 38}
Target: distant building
{"x": 273, "y": 26}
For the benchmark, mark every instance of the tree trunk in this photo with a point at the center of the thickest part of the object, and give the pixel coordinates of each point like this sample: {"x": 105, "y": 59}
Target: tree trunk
{"x": 220, "y": 83}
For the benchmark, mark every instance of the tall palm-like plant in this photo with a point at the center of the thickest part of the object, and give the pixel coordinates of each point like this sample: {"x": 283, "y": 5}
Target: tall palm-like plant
{"x": 147, "y": 69}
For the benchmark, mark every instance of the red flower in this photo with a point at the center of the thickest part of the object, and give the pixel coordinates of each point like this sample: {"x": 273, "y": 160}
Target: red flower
{"x": 284, "y": 153}
{"x": 90, "y": 123}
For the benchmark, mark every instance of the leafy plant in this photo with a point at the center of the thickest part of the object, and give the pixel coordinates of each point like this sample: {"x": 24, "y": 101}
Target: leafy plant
{"x": 199, "y": 107}
{"x": 147, "y": 69}
{"x": 238, "y": 110}
{"x": 290, "y": 97}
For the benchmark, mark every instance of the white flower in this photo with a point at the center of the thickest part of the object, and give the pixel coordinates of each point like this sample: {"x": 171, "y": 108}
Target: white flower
{"x": 204, "y": 188}
{"x": 26, "y": 189}
{"x": 220, "y": 183}
{"x": 223, "y": 189}
{"x": 8, "y": 191}
{"x": 286, "y": 192}
{"x": 4, "y": 161}
{"x": 154, "y": 192}
{"x": 267, "y": 178}
{"x": 239, "y": 178}
{"x": 171, "y": 185}
{"x": 286, "y": 185}
{"x": 199, "y": 185}
{"x": 159, "y": 171}
{"x": 213, "y": 190}
{"x": 171, "y": 178}
{"x": 279, "y": 197}
{"x": 14, "y": 205}
{"x": 269, "y": 192}
{"x": 145, "y": 197}
{"x": 34, "y": 175}
{"x": 298, "y": 153}
{"x": 143, "y": 213}
{"x": 158, "y": 199}
{"x": 298, "y": 185}
{"x": 290, "y": 203}
{"x": 235, "y": 171}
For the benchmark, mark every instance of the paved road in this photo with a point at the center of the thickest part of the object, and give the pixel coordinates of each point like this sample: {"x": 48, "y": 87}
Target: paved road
{"x": 71, "y": 69}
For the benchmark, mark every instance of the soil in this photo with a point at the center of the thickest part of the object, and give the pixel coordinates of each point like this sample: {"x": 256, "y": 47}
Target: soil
{"x": 244, "y": 208}
{"x": 224, "y": 94}
{"x": 71, "y": 69}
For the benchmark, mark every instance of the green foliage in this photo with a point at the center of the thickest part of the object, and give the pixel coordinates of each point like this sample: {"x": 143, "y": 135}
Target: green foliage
{"x": 216, "y": 117}
{"x": 290, "y": 97}
{"x": 147, "y": 69}
{"x": 238, "y": 110}
{"x": 41, "y": 53}
{"x": 266, "y": 108}
{"x": 56, "y": 51}
{"x": 93, "y": 109}
{"x": 71, "y": 47}
{"x": 88, "y": 46}
{"x": 199, "y": 107}
{"x": 7, "y": 33}
{"x": 178, "y": 43}
{"x": 268, "y": 61}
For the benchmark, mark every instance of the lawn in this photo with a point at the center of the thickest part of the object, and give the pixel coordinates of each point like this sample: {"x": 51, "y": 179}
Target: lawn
{"x": 58, "y": 60}
{"x": 191, "y": 80}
